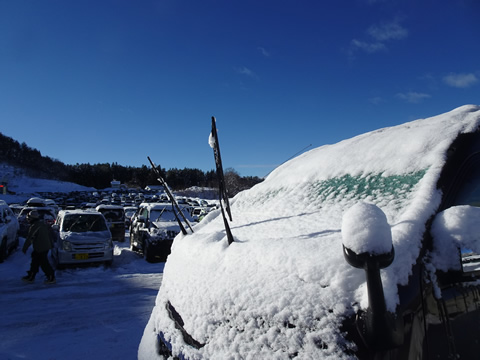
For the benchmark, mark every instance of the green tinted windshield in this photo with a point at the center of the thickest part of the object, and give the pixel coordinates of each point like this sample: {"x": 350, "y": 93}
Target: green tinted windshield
{"x": 376, "y": 188}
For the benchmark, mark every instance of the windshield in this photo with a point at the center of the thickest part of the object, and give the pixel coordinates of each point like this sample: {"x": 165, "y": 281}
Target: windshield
{"x": 83, "y": 223}
{"x": 113, "y": 215}
{"x": 162, "y": 215}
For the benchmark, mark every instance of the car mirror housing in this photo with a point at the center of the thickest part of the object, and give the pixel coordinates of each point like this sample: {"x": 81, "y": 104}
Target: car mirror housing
{"x": 367, "y": 245}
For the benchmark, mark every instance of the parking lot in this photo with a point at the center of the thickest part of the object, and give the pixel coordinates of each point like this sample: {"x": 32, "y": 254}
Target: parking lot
{"x": 93, "y": 312}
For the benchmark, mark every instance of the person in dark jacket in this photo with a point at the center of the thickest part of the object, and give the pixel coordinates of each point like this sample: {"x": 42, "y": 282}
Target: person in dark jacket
{"x": 39, "y": 237}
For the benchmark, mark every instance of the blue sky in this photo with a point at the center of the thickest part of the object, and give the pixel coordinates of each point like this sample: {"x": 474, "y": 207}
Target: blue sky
{"x": 117, "y": 81}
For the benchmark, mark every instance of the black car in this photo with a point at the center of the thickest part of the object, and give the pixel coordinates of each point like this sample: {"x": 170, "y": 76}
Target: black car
{"x": 115, "y": 215}
{"x": 153, "y": 228}
{"x": 365, "y": 249}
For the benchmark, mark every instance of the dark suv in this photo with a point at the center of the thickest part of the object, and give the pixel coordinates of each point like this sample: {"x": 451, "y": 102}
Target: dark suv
{"x": 365, "y": 249}
{"x": 115, "y": 215}
{"x": 153, "y": 229}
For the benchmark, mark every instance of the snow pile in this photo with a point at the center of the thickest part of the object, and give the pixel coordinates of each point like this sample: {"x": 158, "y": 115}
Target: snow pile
{"x": 283, "y": 287}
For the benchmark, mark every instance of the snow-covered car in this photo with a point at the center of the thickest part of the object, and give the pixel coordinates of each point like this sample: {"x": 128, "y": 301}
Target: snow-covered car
{"x": 36, "y": 202}
{"x": 115, "y": 215}
{"x": 129, "y": 212}
{"x": 348, "y": 251}
{"x": 8, "y": 231}
{"x": 46, "y": 213}
{"x": 81, "y": 236}
{"x": 153, "y": 229}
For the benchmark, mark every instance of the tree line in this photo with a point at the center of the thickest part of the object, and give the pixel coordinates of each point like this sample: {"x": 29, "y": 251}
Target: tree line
{"x": 100, "y": 176}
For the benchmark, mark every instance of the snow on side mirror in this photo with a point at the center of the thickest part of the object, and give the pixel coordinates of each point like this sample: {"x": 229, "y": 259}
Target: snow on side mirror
{"x": 365, "y": 230}
{"x": 367, "y": 244}
{"x": 456, "y": 231}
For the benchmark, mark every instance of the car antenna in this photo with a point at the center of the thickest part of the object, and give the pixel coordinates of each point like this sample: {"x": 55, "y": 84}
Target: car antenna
{"x": 291, "y": 157}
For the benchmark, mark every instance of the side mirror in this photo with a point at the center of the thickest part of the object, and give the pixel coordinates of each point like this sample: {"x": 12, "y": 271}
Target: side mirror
{"x": 456, "y": 230}
{"x": 367, "y": 244}
{"x": 56, "y": 227}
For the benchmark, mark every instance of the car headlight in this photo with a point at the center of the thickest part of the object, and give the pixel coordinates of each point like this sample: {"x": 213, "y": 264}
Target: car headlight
{"x": 108, "y": 244}
{"x": 66, "y": 246}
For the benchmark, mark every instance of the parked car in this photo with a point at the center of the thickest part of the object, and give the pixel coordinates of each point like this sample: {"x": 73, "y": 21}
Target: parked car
{"x": 129, "y": 212}
{"x": 153, "y": 229}
{"x": 46, "y": 213}
{"x": 81, "y": 236}
{"x": 36, "y": 202}
{"x": 115, "y": 215}
{"x": 8, "y": 231}
{"x": 16, "y": 208}
{"x": 349, "y": 251}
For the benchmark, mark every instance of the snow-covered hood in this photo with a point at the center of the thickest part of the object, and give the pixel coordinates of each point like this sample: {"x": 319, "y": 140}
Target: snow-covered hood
{"x": 283, "y": 287}
{"x": 96, "y": 236}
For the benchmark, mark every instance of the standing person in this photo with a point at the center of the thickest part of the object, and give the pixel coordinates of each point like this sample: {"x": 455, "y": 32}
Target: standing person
{"x": 39, "y": 237}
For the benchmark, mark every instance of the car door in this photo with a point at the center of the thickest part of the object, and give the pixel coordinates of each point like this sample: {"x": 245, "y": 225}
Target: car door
{"x": 453, "y": 312}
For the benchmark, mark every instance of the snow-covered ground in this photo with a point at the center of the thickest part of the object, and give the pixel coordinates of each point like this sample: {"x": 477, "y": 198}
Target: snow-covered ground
{"x": 91, "y": 313}
{"x": 24, "y": 187}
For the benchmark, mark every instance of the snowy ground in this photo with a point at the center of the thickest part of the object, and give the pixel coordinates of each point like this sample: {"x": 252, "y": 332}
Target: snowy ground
{"x": 91, "y": 313}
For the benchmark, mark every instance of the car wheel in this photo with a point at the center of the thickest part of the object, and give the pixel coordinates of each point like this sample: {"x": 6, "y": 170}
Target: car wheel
{"x": 58, "y": 266}
{"x": 3, "y": 250}
{"x": 15, "y": 243}
{"x": 147, "y": 253}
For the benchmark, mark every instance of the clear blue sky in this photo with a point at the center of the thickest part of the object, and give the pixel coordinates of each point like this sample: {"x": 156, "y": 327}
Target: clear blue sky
{"x": 95, "y": 81}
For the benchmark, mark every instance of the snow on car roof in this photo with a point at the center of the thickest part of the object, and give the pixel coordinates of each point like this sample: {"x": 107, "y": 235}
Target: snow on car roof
{"x": 162, "y": 205}
{"x": 79, "y": 211}
{"x": 112, "y": 207}
{"x": 286, "y": 265}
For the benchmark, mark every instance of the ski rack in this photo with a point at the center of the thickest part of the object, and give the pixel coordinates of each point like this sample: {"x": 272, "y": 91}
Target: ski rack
{"x": 172, "y": 199}
{"x": 221, "y": 181}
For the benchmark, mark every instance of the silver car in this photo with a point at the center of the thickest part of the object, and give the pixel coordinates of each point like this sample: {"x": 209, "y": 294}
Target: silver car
{"x": 8, "y": 231}
{"x": 82, "y": 236}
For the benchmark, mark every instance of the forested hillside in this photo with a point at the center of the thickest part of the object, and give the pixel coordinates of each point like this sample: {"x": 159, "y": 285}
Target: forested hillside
{"x": 100, "y": 175}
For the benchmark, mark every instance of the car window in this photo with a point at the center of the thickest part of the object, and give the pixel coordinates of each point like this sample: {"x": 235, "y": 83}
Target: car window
{"x": 113, "y": 215}
{"x": 162, "y": 215}
{"x": 468, "y": 193}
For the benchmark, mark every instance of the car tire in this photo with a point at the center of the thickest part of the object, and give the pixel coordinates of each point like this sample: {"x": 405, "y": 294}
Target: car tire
{"x": 58, "y": 266}
{"x": 15, "y": 243}
{"x": 147, "y": 253}
{"x": 3, "y": 250}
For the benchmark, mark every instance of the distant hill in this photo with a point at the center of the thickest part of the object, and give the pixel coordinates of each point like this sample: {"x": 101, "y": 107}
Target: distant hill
{"x": 99, "y": 176}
